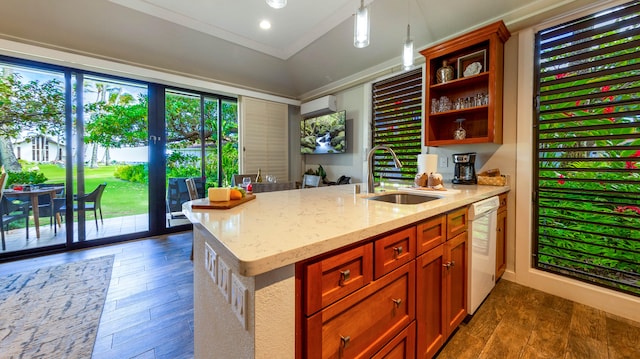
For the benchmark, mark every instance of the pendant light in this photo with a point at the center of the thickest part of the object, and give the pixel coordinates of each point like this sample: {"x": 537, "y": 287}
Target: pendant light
{"x": 407, "y": 51}
{"x": 361, "y": 28}
{"x": 277, "y": 4}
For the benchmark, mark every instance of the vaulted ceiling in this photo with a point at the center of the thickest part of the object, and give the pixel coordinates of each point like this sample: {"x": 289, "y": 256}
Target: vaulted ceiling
{"x": 309, "y": 46}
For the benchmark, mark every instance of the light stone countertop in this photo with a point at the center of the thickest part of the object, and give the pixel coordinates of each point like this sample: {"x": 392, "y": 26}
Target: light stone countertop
{"x": 277, "y": 229}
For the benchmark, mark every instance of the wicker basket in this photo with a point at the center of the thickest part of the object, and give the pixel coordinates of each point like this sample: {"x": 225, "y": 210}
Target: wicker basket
{"x": 492, "y": 181}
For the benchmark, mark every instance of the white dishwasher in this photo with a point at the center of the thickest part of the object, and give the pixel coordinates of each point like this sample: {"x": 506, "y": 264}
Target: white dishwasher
{"x": 482, "y": 251}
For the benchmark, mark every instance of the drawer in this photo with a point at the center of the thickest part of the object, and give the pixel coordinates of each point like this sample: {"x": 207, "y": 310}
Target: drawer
{"x": 431, "y": 233}
{"x": 337, "y": 276}
{"x": 363, "y": 322}
{"x": 401, "y": 347}
{"x": 457, "y": 222}
{"x": 394, "y": 250}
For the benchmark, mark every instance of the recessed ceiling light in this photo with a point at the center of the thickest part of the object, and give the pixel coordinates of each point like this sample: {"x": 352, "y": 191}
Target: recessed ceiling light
{"x": 277, "y": 4}
{"x": 265, "y": 25}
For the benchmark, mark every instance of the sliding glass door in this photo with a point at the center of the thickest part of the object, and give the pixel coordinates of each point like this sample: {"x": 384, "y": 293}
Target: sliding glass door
{"x": 93, "y": 159}
{"x": 110, "y": 158}
{"x": 201, "y": 143}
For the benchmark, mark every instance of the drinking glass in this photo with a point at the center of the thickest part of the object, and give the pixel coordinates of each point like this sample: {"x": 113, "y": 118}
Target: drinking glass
{"x": 246, "y": 181}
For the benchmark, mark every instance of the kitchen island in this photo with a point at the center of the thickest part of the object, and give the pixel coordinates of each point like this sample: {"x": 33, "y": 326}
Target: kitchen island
{"x": 245, "y": 283}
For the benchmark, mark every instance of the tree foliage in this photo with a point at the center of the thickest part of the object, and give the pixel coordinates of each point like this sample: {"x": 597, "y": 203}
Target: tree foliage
{"x": 30, "y": 106}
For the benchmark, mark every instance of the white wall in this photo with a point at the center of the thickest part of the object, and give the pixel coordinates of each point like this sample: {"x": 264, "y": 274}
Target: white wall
{"x": 356, "y": 102}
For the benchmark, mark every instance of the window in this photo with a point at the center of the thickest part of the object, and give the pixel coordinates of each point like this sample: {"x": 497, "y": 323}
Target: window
{"x": 397, "y": 113}
{"x": 587, "y": 140}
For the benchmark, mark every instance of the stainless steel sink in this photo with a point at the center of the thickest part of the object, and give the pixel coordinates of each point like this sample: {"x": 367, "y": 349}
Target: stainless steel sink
{"x": 403, "y": 198}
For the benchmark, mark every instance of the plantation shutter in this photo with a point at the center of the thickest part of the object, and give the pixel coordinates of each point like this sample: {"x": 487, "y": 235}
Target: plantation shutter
{"x": 587, "y": 136}
{"x": 397, "y": 110}
{"x": 265, "y": 144}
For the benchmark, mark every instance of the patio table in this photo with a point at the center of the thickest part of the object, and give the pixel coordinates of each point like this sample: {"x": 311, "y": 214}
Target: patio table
{"x": 33, "y": 196}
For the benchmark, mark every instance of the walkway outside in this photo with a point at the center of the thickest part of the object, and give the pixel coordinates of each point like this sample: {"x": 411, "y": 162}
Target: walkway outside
{"x": 16, "y": 240}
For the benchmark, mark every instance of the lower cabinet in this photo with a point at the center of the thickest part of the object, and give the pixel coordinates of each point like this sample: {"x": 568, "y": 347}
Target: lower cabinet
{"x": 441, "y": 294}
{"x": 414, "y": 300}
{"x": 362, "y": 323}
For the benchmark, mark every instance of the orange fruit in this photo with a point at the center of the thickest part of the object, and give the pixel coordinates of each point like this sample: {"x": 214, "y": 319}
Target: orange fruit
{"x": 235, "y": 194}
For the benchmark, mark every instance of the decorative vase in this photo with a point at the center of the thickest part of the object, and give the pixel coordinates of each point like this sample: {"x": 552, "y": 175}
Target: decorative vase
{"x": 445, "y": 73}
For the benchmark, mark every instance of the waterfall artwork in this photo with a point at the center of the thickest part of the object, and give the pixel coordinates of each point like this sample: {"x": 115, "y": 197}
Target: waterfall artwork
{"x": 323, "y": 134}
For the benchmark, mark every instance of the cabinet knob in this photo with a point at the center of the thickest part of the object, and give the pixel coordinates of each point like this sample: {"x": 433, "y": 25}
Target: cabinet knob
{"x": 448, "y": 265}
{"x": 397, "y": 302}
{"x": 345, "y": 275}
{"x": 397, "y": 251}
{"x": 344, "y": 341}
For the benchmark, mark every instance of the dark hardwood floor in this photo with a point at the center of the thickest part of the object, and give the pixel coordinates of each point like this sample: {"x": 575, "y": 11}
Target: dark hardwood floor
{"x": 149, "y": 312}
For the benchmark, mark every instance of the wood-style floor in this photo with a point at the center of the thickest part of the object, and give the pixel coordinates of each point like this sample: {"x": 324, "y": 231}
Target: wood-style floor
{"x": 520, "y": 322}
{"x": 149, "y": 312}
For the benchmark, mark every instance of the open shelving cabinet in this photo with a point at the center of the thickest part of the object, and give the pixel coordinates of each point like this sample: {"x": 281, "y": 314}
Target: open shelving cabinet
{"x": 483, "y": 120}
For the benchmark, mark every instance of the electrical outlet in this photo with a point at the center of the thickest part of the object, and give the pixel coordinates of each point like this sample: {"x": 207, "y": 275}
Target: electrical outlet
{"x": 211, "y": 262}
{"x": 444, "y": 162}
{"x": 239, "y": 300}
{"x": 224, "y": 280}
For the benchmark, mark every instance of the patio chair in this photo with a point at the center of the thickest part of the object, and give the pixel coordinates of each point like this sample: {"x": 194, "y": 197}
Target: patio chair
{"x": 92, "y": 202}
{"x": 44, "y": 203}
{"x": 177, "y": 194}
{"x": 12, "y": 211}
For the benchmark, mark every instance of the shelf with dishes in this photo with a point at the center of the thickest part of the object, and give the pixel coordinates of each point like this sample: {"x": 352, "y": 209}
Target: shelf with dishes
{"x": 463, "y": 92}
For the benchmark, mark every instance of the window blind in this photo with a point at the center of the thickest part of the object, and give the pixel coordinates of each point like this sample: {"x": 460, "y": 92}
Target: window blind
{"x": 587, "y": 141}
{"x": 397, "y": 123}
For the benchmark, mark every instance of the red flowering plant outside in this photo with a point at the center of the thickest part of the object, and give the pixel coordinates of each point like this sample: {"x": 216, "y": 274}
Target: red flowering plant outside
{"x": 588, "y": 166}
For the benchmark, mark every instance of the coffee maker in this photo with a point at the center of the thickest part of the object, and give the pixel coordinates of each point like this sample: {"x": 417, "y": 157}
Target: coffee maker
{"x": 465, "y": 171}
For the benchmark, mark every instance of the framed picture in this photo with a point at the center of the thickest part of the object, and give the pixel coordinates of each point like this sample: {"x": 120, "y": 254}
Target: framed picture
{"x": 472, "y": 64}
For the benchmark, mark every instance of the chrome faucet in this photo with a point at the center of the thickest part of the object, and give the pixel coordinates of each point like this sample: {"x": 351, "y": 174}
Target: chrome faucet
{"x": 370, "y": 161}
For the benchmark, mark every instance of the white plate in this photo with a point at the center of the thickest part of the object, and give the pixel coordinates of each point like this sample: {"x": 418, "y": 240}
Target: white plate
{"x": 474, "y": 68}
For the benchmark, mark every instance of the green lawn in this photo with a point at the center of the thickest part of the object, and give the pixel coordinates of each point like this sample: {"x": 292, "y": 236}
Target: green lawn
{"x": 120, "y": 198}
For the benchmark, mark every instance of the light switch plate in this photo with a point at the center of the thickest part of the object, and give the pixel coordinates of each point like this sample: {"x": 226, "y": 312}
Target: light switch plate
{"x": 239, "y": 300}
{"x": 224, "y": 278}
{"x": 211, "y": 262}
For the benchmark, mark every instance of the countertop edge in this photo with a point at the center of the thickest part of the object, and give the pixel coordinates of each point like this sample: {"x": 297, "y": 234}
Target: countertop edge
{"x": 259, "y": 264}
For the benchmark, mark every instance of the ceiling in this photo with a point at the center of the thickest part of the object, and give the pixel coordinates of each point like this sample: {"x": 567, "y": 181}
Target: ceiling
{"x": 308, "y": 49}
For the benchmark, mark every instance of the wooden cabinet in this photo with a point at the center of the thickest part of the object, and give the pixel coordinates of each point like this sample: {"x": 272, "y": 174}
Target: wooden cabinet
{"x": 394, "y": 250}
{"x": 474, "y": 95}
{"x": 501, "y": 237}
{"x": 441, "y": 288}
{"x": 403, "y": 346}
{"x": 334, "y": 277}
{"x": 362, "y": 323}
{"x": 377, "y": 299}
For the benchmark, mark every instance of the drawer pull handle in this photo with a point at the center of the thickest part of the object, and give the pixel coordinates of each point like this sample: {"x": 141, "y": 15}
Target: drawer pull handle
{"x": 447, "y": 265}
{"x": 344, "y": 341}
{"x": 453, "y": 263}
{"x": 398, "y": 302}
{"x": 345, "y": 275}
{"x": 397, "y": 251}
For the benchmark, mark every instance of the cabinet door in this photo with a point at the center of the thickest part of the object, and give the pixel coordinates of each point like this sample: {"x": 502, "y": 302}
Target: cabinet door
{"x": 455, "y": 269}
{"x": 501, "y": 243}
{"x": 430, "y": 302}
